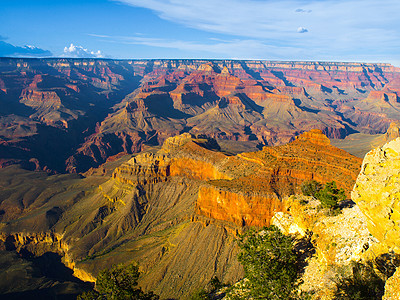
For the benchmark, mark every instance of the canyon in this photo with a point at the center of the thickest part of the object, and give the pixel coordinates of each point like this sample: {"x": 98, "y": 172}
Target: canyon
{"x": 177, "y": 211}
{"x": 166, "y": 162}
{"x": 68, "y": 115}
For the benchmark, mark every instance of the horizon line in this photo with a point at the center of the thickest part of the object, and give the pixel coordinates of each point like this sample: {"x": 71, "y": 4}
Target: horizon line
{"x": 198, "y": 59}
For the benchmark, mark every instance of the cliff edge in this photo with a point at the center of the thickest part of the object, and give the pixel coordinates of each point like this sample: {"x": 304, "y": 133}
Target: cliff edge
{"x": 377, "y": 193}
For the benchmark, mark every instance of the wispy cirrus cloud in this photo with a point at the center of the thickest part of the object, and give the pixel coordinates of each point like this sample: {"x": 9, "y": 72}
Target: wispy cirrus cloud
{"x": 213, "y": 48}
{"x": 300, "y": 10}
{"x": 336, "y": 28}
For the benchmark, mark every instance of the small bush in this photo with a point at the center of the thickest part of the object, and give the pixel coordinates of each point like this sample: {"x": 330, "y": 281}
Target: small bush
{"x": 330, "y": 195}
{"x": 311, "y": 188}
{"x": 362, "y": 284}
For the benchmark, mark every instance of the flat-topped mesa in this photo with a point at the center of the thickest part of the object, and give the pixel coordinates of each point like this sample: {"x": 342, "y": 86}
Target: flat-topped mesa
{"x": 330, "y": 66}
{"x": 314, "y": 136}
{"x": 35, "y": 98}
{"x": 182, "y": 155}
{"x": 174, "y": 142}
{"x": 191, "y": 157}
{"x": 310, "y": 156}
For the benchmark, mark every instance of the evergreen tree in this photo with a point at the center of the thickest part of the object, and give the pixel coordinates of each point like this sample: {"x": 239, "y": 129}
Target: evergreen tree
{"x": 270, "y": 264}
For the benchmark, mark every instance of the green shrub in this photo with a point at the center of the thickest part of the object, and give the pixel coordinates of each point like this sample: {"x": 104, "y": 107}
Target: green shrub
{"x": 330, "y": 195}
{"x": 270, "y": 264}
{"x": 118, "y": 283}
{"x": 311, "y": 188}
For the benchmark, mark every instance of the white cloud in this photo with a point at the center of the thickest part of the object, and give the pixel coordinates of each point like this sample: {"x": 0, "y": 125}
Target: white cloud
{"x": 302, "y": 30}
{"x": 300, "y": 10}
{"x": 7, "y": 49}
{"x": 81, "y": 52}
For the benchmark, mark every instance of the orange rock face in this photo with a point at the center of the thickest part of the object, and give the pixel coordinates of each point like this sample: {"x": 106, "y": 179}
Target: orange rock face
{"x": 40, "y": 98}
{"x": 239, "y": 208}
{"x": 253, "y": 199}
{"x": 246, "y": 189}
{"x": 195, "y": 169}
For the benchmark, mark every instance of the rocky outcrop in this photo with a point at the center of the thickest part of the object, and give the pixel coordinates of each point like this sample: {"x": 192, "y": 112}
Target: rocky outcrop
{"x": 255, "y": 193}
{"x": 392, "y": 287}
{"x": 364, "y": 232}
{"x": 393, "y": 131}
{"x": 310, "y": 156}
{"x": 377, "y": 193}
{"x": 37, "y": 98}
{"x": 337, "y": 240}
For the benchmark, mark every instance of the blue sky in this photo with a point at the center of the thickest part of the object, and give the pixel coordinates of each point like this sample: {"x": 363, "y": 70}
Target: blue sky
{"x": 327, "y": 30}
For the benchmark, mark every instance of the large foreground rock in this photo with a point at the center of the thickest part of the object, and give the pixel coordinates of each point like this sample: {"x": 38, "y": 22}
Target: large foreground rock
{"x": 377, "y": 192}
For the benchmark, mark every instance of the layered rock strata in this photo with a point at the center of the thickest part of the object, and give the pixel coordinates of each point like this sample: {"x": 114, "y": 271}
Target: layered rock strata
{"x": 104, "y": 107}
{"x": 177, "y": 211}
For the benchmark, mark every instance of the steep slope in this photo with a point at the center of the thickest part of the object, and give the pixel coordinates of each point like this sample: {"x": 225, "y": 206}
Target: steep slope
{"x": 176, "y": 212}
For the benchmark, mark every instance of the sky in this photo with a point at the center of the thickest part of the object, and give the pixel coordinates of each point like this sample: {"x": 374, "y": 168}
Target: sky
{"x": 316, "y": 30}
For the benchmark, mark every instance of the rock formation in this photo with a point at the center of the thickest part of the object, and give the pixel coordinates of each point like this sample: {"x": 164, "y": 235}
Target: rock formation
{"x": 176, "y": 211}
{"x": 367, "y": 231}
{"x": 393, "y": 131}
{"x": 337, "y": 240}
{"x": 104, "y": 107}
{"x": 377, "y": 193}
